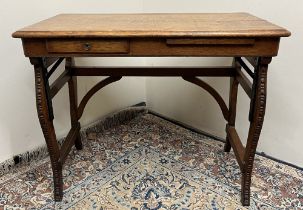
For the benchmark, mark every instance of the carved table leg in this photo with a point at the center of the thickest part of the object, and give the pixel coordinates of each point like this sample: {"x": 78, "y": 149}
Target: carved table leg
{"x": 257, "y": 116}
{"x": 46, "y": 121}
{"x": 73, "y": 100}
{"x": 233, "y": 94}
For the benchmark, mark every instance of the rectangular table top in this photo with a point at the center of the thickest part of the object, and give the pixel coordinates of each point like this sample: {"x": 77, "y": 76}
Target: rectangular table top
{"x": 152, "y": 25}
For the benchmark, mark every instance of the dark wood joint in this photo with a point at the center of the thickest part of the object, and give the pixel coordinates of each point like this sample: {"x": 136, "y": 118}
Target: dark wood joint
{"x": 40, "y": 64}
{"x": 258, "y": 77}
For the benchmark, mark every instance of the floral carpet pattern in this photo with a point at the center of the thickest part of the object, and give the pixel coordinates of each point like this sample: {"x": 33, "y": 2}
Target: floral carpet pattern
{"x": 148, "y": 163}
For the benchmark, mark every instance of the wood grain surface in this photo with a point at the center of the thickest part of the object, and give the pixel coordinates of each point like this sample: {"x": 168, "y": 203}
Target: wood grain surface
{"x": 153, "y": 25}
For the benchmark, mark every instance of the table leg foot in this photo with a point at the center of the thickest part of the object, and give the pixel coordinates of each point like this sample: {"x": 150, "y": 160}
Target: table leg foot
{"x": 78, "y": 143}
{"x": 227, "y": 145}
{"x": 58, "y": 183}
{"x": 245, "y": 189}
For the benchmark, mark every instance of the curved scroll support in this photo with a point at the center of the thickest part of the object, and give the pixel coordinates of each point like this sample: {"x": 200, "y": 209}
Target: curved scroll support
{"x": 92, "y": 91}
{"x": 212, "y": 92}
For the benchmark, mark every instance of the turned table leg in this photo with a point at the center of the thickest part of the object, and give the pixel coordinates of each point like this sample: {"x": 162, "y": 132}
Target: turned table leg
{"x": 257, "y": 112}
{"x": 73, "y": 100}
{"x": 44, "y": 109}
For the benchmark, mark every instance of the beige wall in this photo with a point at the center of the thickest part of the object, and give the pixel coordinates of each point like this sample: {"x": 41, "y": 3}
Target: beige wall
{"x": 281, "y": 137}
{"x": 19, "y": 127}
{"x": 283, "y": 128}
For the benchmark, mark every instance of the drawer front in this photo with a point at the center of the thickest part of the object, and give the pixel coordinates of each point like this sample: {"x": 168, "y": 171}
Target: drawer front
{"x": 205, "y": 47}
{"x": 106, "y": 46}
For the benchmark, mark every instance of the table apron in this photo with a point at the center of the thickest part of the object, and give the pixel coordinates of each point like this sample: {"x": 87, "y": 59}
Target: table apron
{"x": 151, "y": 47}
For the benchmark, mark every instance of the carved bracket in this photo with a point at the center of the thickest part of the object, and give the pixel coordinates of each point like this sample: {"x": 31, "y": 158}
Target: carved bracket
{"x": 212, "y": 92}
{"x": 92, "y": 91}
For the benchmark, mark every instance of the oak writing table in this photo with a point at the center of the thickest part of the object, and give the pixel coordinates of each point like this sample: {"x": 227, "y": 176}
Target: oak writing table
{"x": 251, "y": 41}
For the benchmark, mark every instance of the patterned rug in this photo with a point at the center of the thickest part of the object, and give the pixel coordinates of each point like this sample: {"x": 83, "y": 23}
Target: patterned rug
{"x": 148, "y": 163}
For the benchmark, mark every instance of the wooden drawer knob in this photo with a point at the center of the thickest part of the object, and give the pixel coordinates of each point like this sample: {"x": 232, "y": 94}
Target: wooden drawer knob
{"x": 87, "y": 46}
